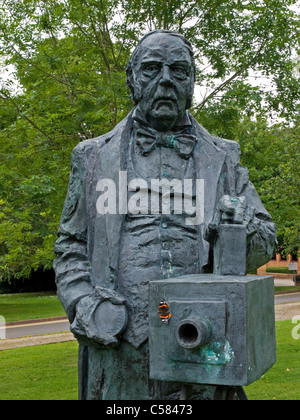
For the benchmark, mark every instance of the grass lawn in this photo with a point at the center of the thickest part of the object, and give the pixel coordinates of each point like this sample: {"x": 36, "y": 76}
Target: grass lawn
{"x": 23, "y": 306}
{"x": 287, "y": 288}
{"x": 282, "y": 382}
{"x": 49, "y": 372}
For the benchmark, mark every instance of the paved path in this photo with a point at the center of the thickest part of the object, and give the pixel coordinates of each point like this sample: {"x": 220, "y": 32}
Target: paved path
{"x": 283, "y": 282}
{"x": 37, "y": 327}
{"x": 287, "y": 298}
{"x": 36, "y": 340}
{"x": 35, "y": 332}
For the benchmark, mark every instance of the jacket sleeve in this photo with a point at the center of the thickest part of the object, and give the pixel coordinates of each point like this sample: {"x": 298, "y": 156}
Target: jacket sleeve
{"x": 72, "y": 267}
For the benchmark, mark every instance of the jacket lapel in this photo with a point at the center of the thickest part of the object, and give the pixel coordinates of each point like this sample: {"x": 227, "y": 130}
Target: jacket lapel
{"x": 113, "y": 158}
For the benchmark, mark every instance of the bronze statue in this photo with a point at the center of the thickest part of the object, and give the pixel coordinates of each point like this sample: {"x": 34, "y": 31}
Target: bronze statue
{"x": 112, "y": 244}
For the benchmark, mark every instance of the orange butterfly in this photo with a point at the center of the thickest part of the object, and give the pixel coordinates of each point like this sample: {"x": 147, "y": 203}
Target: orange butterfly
{"x": 163, "y": 310}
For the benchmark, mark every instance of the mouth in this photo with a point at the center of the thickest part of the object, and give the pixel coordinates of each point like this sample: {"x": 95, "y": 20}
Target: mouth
{"x": 162, "y": 102}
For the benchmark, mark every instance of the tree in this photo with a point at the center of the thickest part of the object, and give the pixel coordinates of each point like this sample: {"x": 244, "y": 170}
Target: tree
{"x": 69, "y": 59}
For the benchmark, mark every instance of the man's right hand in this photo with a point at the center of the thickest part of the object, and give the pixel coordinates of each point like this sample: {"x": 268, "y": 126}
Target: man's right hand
{"x": 100, "y": 318}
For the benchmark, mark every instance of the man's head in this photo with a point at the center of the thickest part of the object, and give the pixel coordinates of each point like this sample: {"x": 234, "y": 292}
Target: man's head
{"x": 161, "y": 75}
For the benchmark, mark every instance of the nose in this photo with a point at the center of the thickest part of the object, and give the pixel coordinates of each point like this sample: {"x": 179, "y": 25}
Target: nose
{"x": 166, "y": 78}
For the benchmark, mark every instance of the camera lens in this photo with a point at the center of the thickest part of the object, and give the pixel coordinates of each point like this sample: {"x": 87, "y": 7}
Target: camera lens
{"x": 193, "y": 333}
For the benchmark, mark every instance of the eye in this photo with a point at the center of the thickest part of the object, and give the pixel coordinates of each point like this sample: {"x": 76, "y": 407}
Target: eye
{"x": 151, "y": 69}
{"x": 179, "y": 72}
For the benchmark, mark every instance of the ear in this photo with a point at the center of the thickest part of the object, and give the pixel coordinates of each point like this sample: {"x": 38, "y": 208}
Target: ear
{"x": 189, "y": 100}
{"x": 133, "y": 85}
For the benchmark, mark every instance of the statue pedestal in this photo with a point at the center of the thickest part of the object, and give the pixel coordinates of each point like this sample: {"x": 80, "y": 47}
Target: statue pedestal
{"x": 221, "y": 330}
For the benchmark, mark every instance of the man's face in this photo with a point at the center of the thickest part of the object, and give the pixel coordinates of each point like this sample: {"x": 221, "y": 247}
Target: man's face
{"x": 163, "y": 75}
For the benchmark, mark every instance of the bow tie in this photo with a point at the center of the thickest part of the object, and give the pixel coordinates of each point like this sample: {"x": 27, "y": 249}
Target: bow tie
{"x": 148, "y": 139}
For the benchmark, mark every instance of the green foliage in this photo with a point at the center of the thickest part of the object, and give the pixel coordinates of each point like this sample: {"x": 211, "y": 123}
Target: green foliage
{"x": 273, "y": 157}
{"x": 69, "y": 59}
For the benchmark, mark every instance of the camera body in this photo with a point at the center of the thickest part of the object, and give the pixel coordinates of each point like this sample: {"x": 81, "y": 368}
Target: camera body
{"x": 220, "y": 330}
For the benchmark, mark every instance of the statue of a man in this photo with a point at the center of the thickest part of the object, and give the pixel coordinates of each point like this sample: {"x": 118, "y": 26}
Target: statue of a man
{"x": 105, "y": 259}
